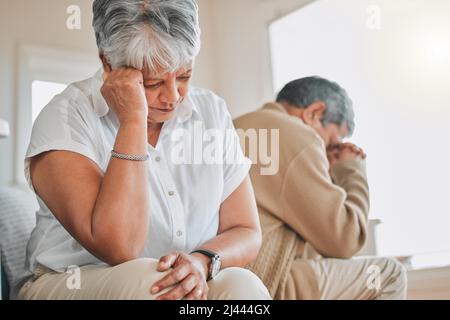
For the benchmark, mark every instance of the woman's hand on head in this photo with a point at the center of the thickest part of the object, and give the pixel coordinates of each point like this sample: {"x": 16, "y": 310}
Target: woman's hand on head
{"x": 187, "y": 277}
{"x": 123, "y": 90}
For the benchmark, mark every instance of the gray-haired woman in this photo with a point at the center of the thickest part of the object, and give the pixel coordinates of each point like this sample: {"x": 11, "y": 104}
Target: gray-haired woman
{"x": 120, "y": 216}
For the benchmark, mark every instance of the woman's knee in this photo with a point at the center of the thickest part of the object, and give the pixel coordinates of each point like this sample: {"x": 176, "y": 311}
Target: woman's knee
{"x": 134, "y": 278}
{"x": 129, "y": 281}
{"x": 237, "y": 284}
{"x": 138, "y": 265}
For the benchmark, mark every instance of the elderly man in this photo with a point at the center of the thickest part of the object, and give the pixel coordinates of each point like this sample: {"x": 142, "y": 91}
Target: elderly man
{"x": 314, "y": 209}
{"x": 120, "y": 217}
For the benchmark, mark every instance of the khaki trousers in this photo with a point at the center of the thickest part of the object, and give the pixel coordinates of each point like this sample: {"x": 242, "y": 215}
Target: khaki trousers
{"x": 361, "y": 278}
{"x": 132, "y": 280}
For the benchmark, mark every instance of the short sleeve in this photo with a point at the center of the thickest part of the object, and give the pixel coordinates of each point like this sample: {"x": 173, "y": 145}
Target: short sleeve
{"x": 235, "y": 165}
{"x": 62, "y": 125}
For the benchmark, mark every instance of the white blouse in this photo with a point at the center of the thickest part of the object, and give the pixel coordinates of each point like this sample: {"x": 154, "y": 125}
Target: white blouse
{"x": 185, "y": 194}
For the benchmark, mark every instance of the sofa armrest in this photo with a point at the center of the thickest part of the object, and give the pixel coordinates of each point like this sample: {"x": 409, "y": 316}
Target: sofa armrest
{"x": 370, "y": 247}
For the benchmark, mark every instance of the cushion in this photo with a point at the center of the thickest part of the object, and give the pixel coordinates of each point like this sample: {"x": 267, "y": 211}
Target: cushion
{"x": 17, "y": 220}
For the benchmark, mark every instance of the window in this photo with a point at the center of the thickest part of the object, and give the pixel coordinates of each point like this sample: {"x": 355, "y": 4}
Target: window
{"x": 41, "y": 94}
{"x": 397, "y": 73}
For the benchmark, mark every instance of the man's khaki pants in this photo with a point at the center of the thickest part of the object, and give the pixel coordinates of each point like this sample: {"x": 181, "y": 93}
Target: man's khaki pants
{"x": 133, "y": 280}
{"x": 360, "y": 278}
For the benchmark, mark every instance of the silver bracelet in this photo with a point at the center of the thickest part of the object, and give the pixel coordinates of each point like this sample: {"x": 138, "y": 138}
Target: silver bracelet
{"x": 131, "y": 157}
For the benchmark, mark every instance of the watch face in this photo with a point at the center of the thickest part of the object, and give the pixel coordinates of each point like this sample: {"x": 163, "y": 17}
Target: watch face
{"x": 215, "y": 266}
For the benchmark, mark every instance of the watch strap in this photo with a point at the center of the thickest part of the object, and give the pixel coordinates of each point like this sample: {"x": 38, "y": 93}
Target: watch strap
{"x": 208, "y": 253}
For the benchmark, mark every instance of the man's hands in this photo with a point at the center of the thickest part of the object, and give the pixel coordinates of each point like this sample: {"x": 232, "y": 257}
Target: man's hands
{"x": 123, "y": 90}
{"x": 188, "y": 276}
{"x": 343, "y": 152}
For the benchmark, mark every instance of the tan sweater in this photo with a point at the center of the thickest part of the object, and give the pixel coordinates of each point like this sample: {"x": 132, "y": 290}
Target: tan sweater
{"x": 307, "y": 209}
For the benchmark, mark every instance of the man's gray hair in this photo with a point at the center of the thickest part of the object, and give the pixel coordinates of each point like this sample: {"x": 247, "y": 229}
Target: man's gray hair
{"x": 303, "y": 92}
{"x": 158, "y": 34}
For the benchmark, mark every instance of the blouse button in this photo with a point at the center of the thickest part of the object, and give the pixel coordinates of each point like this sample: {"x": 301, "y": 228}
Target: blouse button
{"x": 171, "y": 193}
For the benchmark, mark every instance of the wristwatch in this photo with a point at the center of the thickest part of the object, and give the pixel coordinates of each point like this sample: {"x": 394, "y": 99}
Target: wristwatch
{"x": 214, "y": 267}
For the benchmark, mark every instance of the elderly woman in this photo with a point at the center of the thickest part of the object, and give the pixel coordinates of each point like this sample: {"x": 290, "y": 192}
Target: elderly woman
{"x": 120, "y": 217}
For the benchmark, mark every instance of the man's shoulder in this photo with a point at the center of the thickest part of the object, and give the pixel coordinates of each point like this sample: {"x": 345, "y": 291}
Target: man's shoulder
{"x": 269, "y": 115}
{"x": 292, "y": 130}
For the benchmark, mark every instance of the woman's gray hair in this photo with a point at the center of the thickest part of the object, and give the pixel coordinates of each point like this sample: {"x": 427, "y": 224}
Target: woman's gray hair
{"x": 303, "y": 92}
{"x": 158, "y": 34}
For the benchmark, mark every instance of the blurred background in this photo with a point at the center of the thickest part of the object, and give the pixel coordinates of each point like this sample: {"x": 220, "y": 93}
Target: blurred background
{"x": 392, "y": 56}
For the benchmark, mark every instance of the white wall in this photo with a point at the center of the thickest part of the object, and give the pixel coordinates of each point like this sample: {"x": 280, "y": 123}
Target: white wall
{"x": 241, "y": 67}
{"x": 204, "y": 73}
